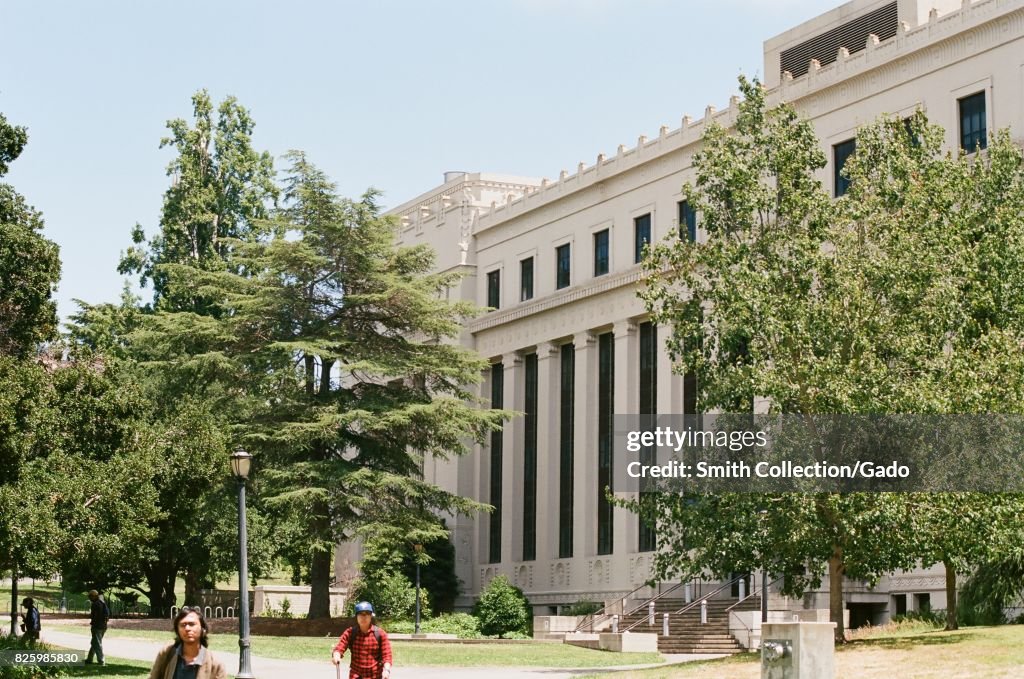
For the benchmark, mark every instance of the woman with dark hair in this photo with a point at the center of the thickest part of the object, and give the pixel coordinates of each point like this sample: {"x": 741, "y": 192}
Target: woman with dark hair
{"x": 188, "y": 656}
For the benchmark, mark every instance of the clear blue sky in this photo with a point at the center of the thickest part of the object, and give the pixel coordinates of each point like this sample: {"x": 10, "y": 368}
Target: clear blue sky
{"x": 386, "y": 94}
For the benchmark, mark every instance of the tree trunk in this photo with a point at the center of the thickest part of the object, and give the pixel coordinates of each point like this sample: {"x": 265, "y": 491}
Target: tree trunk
{"x": 160, "y": 583}
{"x": 835, "y": 593}
{"x": 951, "y": 604}
{"x": 191, "y": 587}
{"x": 320, "y": 584}
{"x": 325, "y": 377}
{"x": 14, "y": 602}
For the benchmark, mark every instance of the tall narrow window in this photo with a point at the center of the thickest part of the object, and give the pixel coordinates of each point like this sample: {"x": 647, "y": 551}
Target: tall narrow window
{"x": 562, "y": 266}
{"x": 840, "y": 153}
{"x": 566, "y": 439}
{"x": 641, "y": 235}
{"x": 605, "y": 410}
{"x": 494, "y": 534}
{"x": 530, "y": 462}
{"x": 526, "y": 279}
{"x": 648, "y": 409}
{"x": 973, "y": 126}
{"x": 687, "y": 222}
{"x": 494, "y": 289}
{"x": 601, "y": 253}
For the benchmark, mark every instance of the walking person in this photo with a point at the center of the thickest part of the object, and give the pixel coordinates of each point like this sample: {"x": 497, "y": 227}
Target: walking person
{"x": 189, "y": 655}
{"x": 30, "y": 623}
{"x": 371, "y": 648}
{"x": 99, "y": 614}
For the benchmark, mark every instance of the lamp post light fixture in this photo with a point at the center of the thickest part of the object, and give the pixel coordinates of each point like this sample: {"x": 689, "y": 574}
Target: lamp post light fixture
{"x": 419, "y": 549}
{"x": 241, "y": 461}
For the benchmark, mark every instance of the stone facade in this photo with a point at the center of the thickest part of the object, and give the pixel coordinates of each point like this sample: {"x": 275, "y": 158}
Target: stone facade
{"x": 487, "y": 225}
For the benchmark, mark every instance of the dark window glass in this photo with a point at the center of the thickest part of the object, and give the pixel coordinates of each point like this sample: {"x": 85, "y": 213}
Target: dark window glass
{"x": 648, "y": 409}
{"x": 530, "y": 462}
{"x": 526, "y": 279}
{"x": 605, "y": 409}
{"x": 601, "y": 253}
{"x": 494, "y": 534}
{"x": 566, "y": 439}
{"x": 973, "y": 133}
{"x": 687, "y": 222}
{"x": 494, "y": 289}
{"x": 642, "y": 235}
{"x": 840, "y": 153}
{"x": 562, "y": 266}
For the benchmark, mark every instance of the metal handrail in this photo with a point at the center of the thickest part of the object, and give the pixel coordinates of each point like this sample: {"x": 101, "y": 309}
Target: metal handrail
{"x": 752, "y": 593}
{"x": 593, "y": 617}
{"x": 709, "y": 595}
{"x": 648, "y": 603}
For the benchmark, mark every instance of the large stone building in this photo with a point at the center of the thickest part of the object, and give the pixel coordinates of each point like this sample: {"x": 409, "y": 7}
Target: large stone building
{"x": 568, "y": 339}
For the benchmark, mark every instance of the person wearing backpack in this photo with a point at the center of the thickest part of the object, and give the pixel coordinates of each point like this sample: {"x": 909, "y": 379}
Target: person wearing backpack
{"x": 371, "y": 648}
{"x": 99, "y": 614}
{"x": 31, "y": 624}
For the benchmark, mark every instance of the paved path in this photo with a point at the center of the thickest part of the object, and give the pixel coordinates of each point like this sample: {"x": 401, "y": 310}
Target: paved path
{"x": 270, "y": 668}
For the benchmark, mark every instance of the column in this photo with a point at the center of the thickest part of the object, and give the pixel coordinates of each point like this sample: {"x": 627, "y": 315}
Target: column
{"x": 627, "y": 399}
{"x": 512, "y": 463}
{"x": 547, "y": 450}
{"x": 585, "y": 458}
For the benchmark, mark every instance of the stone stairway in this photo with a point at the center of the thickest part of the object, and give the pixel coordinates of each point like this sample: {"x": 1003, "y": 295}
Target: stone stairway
{"x": 686, "y": 633}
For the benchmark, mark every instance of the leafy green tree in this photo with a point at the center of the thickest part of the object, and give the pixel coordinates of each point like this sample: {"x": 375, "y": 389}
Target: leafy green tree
{"x": 221, "y": 188}
{"x": 392, "y": 594}
{"x": 330, "y": 349}
{"x": 855, "y": 306}
{"x": 29, "y": 263}
{"x": 502, "y": 609}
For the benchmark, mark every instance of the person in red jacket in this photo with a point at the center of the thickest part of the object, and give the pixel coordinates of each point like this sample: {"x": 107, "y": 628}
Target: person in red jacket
{"x": 371, "y": 649}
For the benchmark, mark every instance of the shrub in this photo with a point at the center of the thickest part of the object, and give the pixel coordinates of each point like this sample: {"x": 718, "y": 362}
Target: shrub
{"x": 582, "y": 608}
{"x": 502, "y": 609}
{"x": 392, "y": 595}
{"x": 8, "y": 643}
{"x": 462, "y": 625}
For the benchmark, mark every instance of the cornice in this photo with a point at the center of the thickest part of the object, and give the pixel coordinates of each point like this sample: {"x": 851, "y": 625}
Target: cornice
{"x": 592, "y": 287}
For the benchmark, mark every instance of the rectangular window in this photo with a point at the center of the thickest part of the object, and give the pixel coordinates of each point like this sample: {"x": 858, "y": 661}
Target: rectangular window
{"x": 973, "y": 132}
{"x": 562, "y": 266}
{"x": 494, "y": 534}
{"x": 840, "y": 153}
{"x": 687, "y": 222}
{"x": 648, "y": 409}
{"x": 605, "y": 430}
{"x": 566, "y": 440}
{"x": 494, "y": 289}
{"x": 601, "y": 253}
{"x": 641, "y": 235}
{"x": 526, "y": 279}
{"x": 530, "y": 461}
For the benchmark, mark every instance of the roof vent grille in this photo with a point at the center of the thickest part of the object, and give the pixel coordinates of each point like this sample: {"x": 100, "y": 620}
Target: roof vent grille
{"x": 852, "y": 35}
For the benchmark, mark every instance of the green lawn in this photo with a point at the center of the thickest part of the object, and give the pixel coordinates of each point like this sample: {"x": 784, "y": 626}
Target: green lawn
{"x": 973, "y": 653}
{"x": 410, "y": 653}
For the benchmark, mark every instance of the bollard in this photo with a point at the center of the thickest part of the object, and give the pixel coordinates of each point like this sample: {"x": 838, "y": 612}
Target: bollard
{"x": 743, "y": 589}
{"x": 703, "y": 611}
{"x": 615, "y": 624}
{"x": 650, "y": 614}
{"x": 664, "y": 624}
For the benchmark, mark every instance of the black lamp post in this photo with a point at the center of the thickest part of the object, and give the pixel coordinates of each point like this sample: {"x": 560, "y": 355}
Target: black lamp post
{"x": 240, "y": 463}
{"x": 419, "y": 548}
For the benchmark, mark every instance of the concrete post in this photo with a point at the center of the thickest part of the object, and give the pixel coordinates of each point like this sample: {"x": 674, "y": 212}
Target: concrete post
{"x": 743, "y": 588}
{"x": 650, "y": 613}
{"x": 703, "y": 611}
{"x": 664, "y": 624}
{"x": 615, "y": 624}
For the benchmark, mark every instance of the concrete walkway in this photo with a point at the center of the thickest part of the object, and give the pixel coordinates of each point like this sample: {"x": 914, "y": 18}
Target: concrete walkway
{"x": 270, "y": 668}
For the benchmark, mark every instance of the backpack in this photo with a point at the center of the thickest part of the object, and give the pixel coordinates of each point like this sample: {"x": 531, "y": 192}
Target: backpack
{"x": 353, "y": 631}
{"x": 34, "y": 620}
